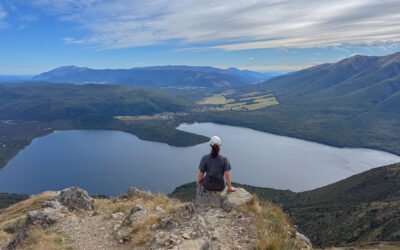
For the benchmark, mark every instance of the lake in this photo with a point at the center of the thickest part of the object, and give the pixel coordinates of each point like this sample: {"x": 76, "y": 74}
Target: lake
{"x": 108, "y": 162}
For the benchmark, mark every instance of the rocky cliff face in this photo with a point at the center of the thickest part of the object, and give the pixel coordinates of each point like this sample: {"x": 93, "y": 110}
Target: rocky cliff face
{"x": 71, "y": 219}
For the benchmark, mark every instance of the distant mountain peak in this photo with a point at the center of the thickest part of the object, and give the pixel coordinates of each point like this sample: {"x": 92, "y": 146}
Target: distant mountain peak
{"x": 156, "y": 76}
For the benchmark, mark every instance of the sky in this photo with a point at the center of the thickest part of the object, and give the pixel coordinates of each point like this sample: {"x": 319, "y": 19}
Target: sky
{"x": 262, "y": 35}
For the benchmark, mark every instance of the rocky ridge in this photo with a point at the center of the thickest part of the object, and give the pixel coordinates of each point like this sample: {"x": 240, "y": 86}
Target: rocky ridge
{"x": 71, "y": 219}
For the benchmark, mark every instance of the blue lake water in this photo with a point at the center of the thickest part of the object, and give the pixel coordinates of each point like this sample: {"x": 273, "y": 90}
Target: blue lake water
{"x": 108, "y": 162}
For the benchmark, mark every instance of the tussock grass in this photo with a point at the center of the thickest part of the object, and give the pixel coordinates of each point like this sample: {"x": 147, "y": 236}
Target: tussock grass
{"x": 4, "y": 238}
{"x": 163, "y": 201}
{"x": 110, "y": 206}
{"x": 39, "y": 239}
{"x": 33, "y": 203}
{"x": 13, "y": 218}
{"x": 140, "y": 232}
{"x": 274, "y": 230}
{"x": 18, "y": 211}
{"x": 150, "y": 202}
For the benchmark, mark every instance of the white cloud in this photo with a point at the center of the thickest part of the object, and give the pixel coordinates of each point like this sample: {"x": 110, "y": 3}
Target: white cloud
{"x": 231, "y": 25}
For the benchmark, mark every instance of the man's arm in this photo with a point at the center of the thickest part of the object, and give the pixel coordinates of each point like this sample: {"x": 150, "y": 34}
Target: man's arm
{"x": 227, "y": 175}
{"x": 200, "y": 177}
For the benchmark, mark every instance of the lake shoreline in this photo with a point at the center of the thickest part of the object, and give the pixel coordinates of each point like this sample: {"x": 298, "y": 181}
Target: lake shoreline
{"x": 260, "y": 159}
{"x": 144, "y": 130}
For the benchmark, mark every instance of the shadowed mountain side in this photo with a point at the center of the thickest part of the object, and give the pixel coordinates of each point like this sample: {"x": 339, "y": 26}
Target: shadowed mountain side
{"x": 65, "y": 101}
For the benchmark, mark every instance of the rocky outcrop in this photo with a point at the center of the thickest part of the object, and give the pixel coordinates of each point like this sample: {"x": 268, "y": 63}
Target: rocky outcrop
{"x": 42, "y": 219}
{"x": 234, "y": 199}
{"x": 140, "y": 220}
{"x": 134, "y": 193}
{"x": 75, "y": 198}
{"x": 223, "y": 199}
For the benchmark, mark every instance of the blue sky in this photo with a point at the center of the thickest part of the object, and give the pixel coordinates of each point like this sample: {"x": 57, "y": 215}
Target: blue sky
{"x": 264, "y": 35}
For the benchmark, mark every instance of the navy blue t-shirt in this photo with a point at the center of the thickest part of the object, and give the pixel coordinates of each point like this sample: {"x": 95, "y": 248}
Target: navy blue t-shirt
{"x": 214, "y": 167}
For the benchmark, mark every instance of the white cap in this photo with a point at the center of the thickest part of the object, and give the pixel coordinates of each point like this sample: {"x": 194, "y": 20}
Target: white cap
{"x": 215, "y": 140}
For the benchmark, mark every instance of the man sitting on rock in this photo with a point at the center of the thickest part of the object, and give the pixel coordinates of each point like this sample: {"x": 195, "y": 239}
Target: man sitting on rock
{"x": 213, "y": 168}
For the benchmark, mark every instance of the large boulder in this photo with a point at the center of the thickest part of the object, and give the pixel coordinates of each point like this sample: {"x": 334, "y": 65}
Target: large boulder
{"x": 75, "y": 198}
{"x": 42, "y": 219}
{"x": 208, "y": 199}
{"x": 221, "y": 199}
{"x": 233, "y": 199}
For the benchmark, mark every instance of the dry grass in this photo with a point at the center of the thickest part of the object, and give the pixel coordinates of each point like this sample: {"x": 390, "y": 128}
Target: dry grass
{"x": 273, "y": 228}
{"x": 110, "y": 206}
{"x": 163, "y": 201}
{"x": 215, "y": 100}
{"x": 150, "y": 202}
{"x": 39, "y": 239}
{"x": 272, "y": 224}
{"x": 140, "y": 232}
{"x": 22, "y": 208}
{"x": 13, "y": 217}
{"x": 18, "y": 211}
{"x": 4, "y": 238}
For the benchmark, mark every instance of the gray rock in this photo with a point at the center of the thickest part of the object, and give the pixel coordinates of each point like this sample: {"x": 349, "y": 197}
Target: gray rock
{"x": 159, "y": 240}
{"x": 168, "y": 223}
{"x": 228, "y": 201}
{"x": 134, "y": 193}
{"x": 234, "y": 199}
{"x": 189, "y": 206}
{"x": 160, "y": 210}
{"x": 75, "y": 198}
{"x": 198, "y": 244}
{"x": 42, "y": 219}
{"x": 186, "y": 236}
{"x": 206, "y": 199}
{"x": 303, "y": 239}
{"x": 17, "y": 240}
{"x": 135, "y": 209}
{"x": 154, "y": 226}
{"x": 137, "y": 213}
{"x": 123, "y": 235}
{"x": 118, "y": 215}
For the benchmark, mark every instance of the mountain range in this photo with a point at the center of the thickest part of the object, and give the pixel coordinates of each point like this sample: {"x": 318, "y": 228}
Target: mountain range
{"x": 352, "y": 103}
{"x": 157, "y": 76}
{"x": 368, "y": 83}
